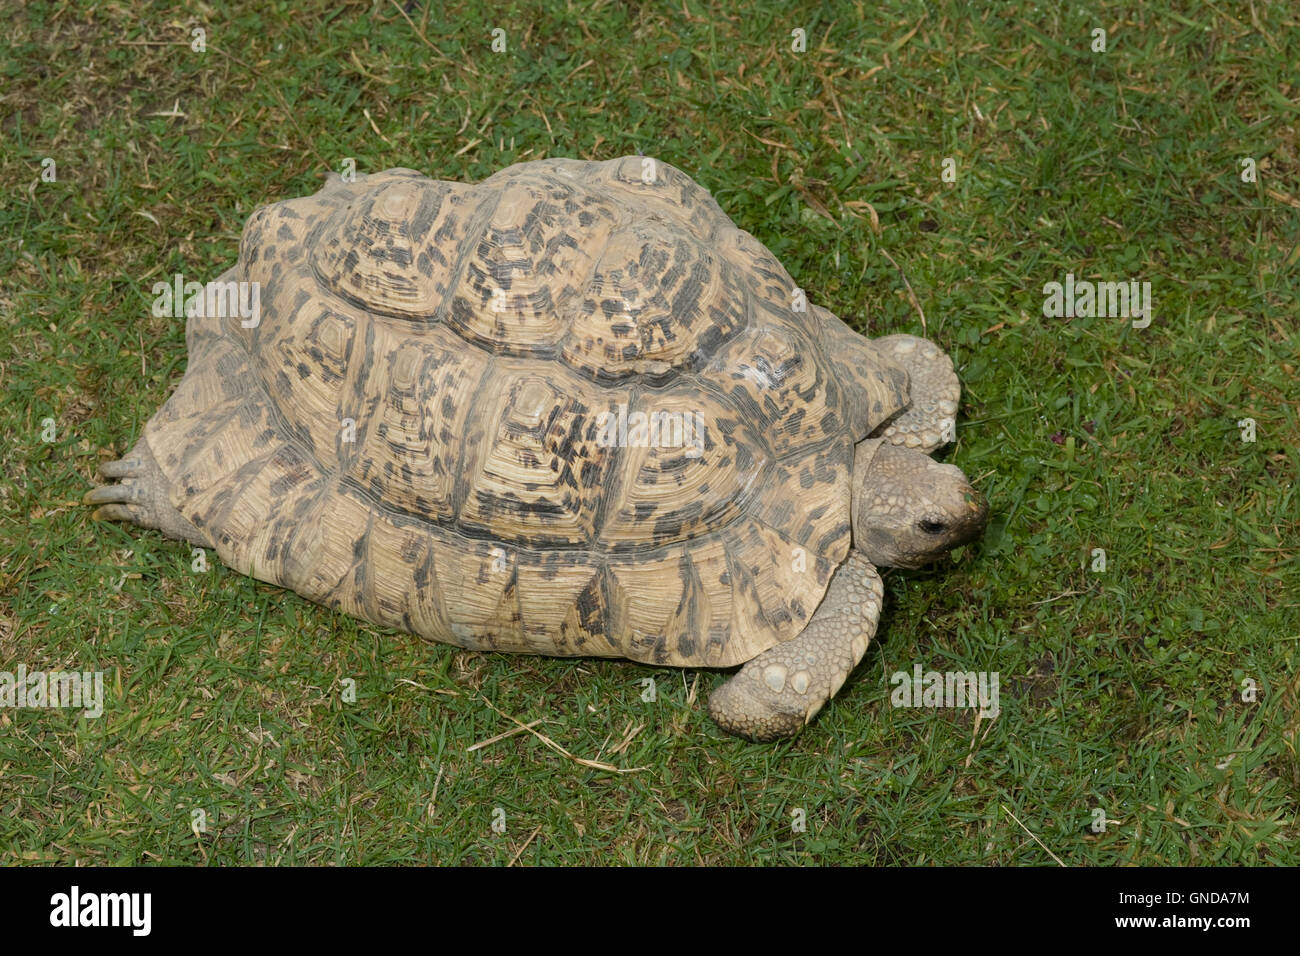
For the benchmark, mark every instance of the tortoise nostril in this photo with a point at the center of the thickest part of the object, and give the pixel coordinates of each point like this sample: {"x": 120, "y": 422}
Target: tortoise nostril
{"x": 932, "y": 527}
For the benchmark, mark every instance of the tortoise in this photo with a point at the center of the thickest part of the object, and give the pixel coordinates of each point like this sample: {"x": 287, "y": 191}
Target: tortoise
{"x": 572, "y": 410}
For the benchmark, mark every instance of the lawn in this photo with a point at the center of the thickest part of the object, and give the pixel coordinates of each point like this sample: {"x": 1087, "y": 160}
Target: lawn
{"x": 918, "y": 167}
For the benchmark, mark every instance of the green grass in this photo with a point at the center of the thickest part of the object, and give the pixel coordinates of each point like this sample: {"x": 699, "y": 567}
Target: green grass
{"x": 1120, "y": 690}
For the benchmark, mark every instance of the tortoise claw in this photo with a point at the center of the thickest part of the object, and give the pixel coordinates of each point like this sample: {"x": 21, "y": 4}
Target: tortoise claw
{"x": 127, "y": 513}
{"x": 125, "y": 468}
{"x": 114, "y": 494}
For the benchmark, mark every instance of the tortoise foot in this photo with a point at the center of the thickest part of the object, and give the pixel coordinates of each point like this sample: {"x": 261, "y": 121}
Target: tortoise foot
{"x": 139, "y": 495}
{"x": 930, "y": 421}
{"x": 777, "y": 693}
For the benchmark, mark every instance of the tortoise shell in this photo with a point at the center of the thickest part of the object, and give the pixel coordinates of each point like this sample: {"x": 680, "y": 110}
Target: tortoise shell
{"x": 569, "y": 410}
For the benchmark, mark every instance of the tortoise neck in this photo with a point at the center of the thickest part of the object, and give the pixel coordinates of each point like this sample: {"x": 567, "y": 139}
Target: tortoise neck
{"x": 864, "y": 453}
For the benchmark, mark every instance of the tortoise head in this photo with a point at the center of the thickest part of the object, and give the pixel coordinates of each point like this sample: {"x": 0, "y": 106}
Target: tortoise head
{"x": 909, "y": 509}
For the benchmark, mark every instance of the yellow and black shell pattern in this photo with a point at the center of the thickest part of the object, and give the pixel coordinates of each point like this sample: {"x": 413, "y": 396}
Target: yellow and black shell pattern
{"x": 571, "y": 410}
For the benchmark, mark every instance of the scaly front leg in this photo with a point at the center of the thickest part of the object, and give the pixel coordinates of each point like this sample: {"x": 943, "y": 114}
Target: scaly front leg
{"x": 780, "y": 690}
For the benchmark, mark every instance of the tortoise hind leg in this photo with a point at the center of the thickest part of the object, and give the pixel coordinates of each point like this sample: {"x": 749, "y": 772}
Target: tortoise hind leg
{"x": 780, "y": 690}
{"x": 930, "y": 421}
{"x": 140, "y": 496}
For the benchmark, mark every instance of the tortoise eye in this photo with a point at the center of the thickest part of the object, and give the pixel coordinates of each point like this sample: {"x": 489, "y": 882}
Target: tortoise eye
{"x": 932, "y": 527}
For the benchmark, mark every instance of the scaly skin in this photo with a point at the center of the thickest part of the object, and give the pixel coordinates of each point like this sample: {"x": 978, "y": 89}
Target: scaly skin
{"x": 140, "y": 497}
{"x": 780, "y": 690}
{"x": 929, "y": 422}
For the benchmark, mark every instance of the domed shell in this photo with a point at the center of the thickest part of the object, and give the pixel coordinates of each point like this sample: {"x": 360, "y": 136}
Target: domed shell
{"x": 570, "y": 410}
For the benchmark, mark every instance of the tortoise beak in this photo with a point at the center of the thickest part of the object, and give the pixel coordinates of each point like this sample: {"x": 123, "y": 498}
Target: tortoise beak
{"x": 976, "y": 517}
